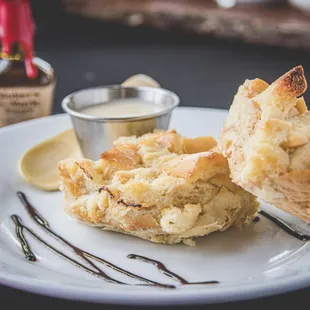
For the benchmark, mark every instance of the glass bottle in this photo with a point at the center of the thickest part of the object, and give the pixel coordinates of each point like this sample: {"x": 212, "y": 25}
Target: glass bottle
{"x": 27, "y": 83}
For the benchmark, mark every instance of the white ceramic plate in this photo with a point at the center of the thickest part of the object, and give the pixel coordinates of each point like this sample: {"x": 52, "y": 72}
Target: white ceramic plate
{"x": 259, "y": 261}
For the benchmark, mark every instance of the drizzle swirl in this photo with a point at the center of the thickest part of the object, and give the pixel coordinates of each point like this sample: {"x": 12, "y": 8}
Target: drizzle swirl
{"x": 86, "y": 256}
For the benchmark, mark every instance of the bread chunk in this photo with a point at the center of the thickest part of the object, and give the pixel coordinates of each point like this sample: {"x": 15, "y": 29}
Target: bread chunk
{"x": 160, "y": 187}
{"x": 266, "y": 141}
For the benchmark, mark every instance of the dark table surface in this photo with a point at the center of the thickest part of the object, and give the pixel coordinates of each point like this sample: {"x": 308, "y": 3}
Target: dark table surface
{"x": 205, "y": 72}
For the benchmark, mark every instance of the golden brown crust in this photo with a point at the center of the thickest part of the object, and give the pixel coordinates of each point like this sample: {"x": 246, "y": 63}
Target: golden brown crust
{"x": 124, "y": 157}
{"x": 156, "y": 190}
{"x": 199, "y": 144}
{"x": 266, "y": 141}
{"x": 201, "y": 166}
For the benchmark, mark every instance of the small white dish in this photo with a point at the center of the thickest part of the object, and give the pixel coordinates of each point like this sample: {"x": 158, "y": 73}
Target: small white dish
{"x": 260, "y": 261}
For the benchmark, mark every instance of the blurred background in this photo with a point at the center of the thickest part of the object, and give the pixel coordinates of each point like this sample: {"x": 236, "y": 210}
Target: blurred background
{"x": 201, "y": 49}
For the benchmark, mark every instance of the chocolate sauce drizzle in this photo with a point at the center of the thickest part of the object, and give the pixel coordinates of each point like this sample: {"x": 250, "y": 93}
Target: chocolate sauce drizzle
{"x": 84, "y": 170}
{"x": 19, "y": 230}
{"x": 291, "y": 231}
{"x": 86, "y": 256}
{"x": 256, "y": 219}
{"x": 161, "y": 267}
{"x": 120, "y": 201}
{"x": 137, "y": 205}
{"x": 104, "y": 188}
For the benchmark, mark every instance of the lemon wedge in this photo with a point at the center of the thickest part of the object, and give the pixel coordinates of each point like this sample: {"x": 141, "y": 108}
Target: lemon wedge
{"x": 38, "y": 165}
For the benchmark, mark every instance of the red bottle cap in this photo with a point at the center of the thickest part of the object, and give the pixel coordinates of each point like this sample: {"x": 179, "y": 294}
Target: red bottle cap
{"x": 17, "y": 26}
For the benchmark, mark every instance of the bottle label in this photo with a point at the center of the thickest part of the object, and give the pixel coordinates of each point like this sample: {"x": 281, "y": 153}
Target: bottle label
{"x": 19, "y": 104}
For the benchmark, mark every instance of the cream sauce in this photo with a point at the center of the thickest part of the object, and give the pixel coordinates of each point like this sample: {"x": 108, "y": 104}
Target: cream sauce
{"x": 128, "y": 107}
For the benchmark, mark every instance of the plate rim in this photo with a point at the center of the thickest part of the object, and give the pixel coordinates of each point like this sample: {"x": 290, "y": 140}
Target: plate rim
{"x": 155, "y": 297}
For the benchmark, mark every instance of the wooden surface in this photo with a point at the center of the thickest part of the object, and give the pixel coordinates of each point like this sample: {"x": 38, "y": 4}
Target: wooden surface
{"x": 279, "y": 24}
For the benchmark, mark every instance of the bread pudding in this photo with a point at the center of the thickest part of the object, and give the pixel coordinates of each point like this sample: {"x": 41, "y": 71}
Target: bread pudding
{"x": 266, "y": 141}
{"x": 160, "y": 187}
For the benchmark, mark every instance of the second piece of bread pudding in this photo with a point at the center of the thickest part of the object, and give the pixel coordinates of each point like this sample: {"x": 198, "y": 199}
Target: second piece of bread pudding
{"x": 266, "y": 139}
{"x": 161, "y": 187}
